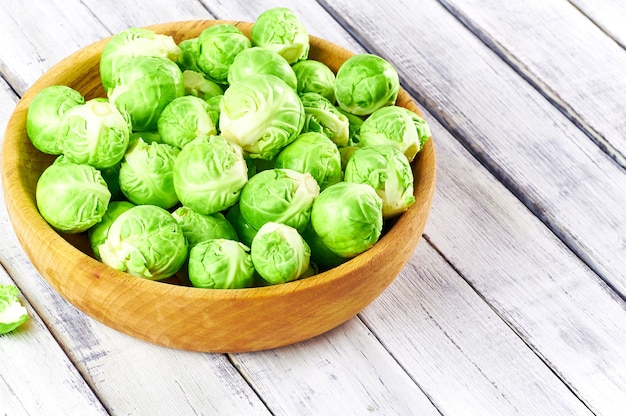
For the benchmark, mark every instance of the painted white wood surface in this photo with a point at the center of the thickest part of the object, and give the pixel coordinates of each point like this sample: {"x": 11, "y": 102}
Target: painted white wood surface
{"x": 609, "y": 15}
{"x": 430, "y": 341}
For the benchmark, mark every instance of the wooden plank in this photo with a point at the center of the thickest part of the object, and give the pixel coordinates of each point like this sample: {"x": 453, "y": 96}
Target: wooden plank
{"x": 546, "y": 161}
{"x": 608, "y": 15}
{"x": 559, "y": 307}
{"x": 36, "y": 376}
{"x": 562, "y": 53}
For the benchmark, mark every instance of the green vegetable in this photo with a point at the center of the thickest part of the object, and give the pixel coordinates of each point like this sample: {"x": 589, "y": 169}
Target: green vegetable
{"x": 348, "y": 218}
{"x": 388, "y": 171}
{"x": 221, "y": 264}
{"x": 245, "y": 231}
{"x": 321, "y": 256}
{"x": 12, "y": 313}
{"x": 95, "y": 133}
{"x": 280, "y": 30}
{"x": 214, "y": 109}
{"x": 313, "y": 153}
{"x": 218, "y": 46}
{"x": 184, "y": 119}
{"x": 209, "y": 174}
{"x": 188, "y": 58}
{"x": 71, "y": 197}
{"x": 395, "y": 126}
{"x": 323, "y": 117}
{"x": 129, "y": 44}
{"x": 279, "y": 253}
{"x": 98, "y": 233}
{"x": 198, "y": 227}
{"x": 365, "y": 83}
{"x": 147, "y": 174}
{"x": 197, "y": 85}
{"x": 257, "y": 60}
{"x": 262, "y": 114}
{"x": 315, "y": 76}
{"x": 143, "y": 88}
{"x": 279, "y": 195}
{"x": 45, "y": 114}
{"x": 145, "y": 241}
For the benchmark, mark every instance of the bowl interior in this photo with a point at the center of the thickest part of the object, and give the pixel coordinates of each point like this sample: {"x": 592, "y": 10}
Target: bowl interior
{"x": 184, "y": 317}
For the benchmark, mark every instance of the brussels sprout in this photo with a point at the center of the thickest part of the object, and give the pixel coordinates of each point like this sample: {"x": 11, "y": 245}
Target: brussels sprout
{"x": 314, "y": 153}
{"x": 354, "y": 126}
{"x": 262, "y": 114}
{"x": 188, "y": 58}
{"x": 209, "y": 173}
{"x": 71, "y": 197}
{"x": 395, "y": 126}
{"x": 197, "y": 85}
{"x": 245, "y": 231}
{"x": 198, "y": 227}
{"x": 257, "y": 60}
{"x": 130, "y": 44}
{"x": 323, "y": 258}
{"x": 214, "y": 109}
{"x": 323, "y": 117}
{"x": 143, "y": 87}
{"x": 348, "y": 218}
{"x": 279, "y": 195}
{"x": 365, "y": 83}
{"x": 388, "y": 171}
{"x": 99, "y": 232}
{"x": 45, "y": 114}
{"x": 94, "y": 133}
{"x": 147, "y": 174}
{"x": 147, "y": 136}
{"x": 315, "y": 76}
{"x": 279, "y": 253}
{"x": 12, "y": 313}
{"x": 221, "y": 264}
{"x": 145, "y": 241}
{"x": 279, "y": 29}
{"x": 218, "y": 46}
{"x": 184, "y": 119}
{"x": 112, "y": 178}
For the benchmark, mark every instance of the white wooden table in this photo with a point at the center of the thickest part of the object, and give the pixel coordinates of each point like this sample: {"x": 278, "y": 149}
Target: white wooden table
{"x": 513, "y": 302}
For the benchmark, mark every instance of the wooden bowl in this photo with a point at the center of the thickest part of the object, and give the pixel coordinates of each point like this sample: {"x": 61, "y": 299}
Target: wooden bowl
{"x": 185, "y": 317}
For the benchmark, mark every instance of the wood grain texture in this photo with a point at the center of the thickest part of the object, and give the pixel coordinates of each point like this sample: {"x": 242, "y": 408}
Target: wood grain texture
{"x": 564, "y": 54}
{"x": 608, "y": 15}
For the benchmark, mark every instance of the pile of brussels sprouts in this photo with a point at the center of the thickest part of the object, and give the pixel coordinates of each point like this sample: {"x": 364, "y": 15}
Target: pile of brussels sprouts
{"x": 236, "y": 159}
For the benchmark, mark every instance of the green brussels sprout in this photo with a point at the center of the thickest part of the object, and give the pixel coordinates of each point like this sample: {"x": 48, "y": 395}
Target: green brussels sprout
{"x": 279, "y": 253}
{"x": 262, "y": 114}
{"x": 218, "y": 46}
{"x": 323, "y": 117}
{"x": 95, "y": 133}
{"x": 71, "y": 197}
{"x": 354, "y": 126}
{"x": 257, "y": 60}
{"x": 146, "y": 136}
{"x": 279, "y": 195}
{"x": 197, "y": 85}
{"x": 147, "y": 174}
{"x": 112, "y": 178}
{"x": 12, "y": 313}
{"x": 209, "y": 173}
{"x": 98, "y": 233}
{"x": 199, "y": 227}
{"x": 315, "y": 76}
{"x": 45, "y": 114}
{"x": 395, "y": 126}
{"x": 348, "y": 218}
{"x": 221, "y": 264}
{"x": 145, "y": 241}
{"x": 314, "y": 153}
{"x": 245, "y": 231}
{"x": 346, "y": 154}
{"x": 214, "y": 109}
{"x": 279, "y": 29}
{"x": 130, "y": 44}
{"x": 188, "y": 58}
{"x": 321, "y": 256}
{"x": 388, "y": 171}
{"x": 184, "y": 119}
{"x": 143, "y": 87}
{"x": 365, "y": 83}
